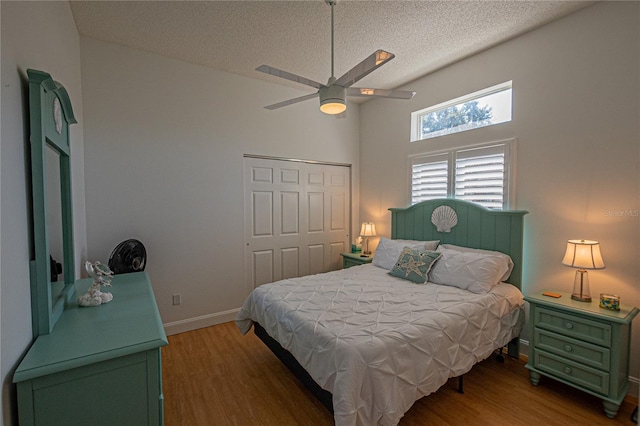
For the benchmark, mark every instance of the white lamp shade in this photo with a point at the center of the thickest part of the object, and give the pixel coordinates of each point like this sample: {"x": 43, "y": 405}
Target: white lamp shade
{"x": 368, "y": 229}
{"x": 583, "y": 254}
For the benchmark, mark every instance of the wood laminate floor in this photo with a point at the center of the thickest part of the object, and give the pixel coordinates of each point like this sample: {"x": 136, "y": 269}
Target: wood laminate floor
{"x": 216, "y": 376}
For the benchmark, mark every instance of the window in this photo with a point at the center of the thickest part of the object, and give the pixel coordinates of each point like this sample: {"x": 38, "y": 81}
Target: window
{"x": 479, "y": 109}
{"x": 480, "y": 174}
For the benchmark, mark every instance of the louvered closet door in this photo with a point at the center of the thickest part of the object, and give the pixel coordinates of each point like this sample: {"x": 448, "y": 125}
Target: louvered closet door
{"x": 297, "y": 218}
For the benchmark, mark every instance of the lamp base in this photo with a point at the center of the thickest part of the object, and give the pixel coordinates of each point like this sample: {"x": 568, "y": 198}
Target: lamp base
{"x": 581, "y": 291}
{"x": 366, "y": 252}
{"x": 581, "y": 298}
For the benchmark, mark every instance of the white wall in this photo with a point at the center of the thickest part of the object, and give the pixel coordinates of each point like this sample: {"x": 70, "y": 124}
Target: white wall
{"x": 576, "y": 98}
{"x": 164, "y": 163}
{"x": 43, "y": 36}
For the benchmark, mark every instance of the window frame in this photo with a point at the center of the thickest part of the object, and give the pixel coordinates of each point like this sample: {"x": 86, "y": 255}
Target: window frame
{"x": 416, "y": 116}
{"x": 510, "y": 156}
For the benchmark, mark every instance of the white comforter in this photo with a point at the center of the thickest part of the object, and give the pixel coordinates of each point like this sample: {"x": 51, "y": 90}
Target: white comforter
{"x": 379, "y": 343}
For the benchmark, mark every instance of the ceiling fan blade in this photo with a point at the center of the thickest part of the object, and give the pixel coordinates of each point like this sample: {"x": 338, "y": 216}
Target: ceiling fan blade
{"x": 288, "y": 76}
{"x": 364, "y": 68}
{"x": 292, "y": 101}
{"x": 384, "y": 93}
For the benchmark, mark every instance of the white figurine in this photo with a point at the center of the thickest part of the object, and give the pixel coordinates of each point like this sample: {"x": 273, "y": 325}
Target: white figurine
{"x": 102, "y": 276}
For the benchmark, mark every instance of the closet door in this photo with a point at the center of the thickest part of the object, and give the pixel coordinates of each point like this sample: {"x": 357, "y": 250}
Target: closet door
{"x": 297, "y": 218}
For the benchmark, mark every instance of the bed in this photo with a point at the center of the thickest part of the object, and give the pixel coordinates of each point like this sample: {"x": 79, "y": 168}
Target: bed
{"x": 350, "y": 334}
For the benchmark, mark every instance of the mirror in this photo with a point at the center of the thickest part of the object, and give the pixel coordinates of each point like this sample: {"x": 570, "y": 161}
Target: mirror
{"x": 50, "y": 114}
{"x": 54, "y": 221}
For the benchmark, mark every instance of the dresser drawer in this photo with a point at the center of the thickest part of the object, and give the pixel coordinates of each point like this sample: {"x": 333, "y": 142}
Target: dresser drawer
{"x": 581, "y": 375}
{"x": 573, "y": 349}
{"x": 573, "y": 326}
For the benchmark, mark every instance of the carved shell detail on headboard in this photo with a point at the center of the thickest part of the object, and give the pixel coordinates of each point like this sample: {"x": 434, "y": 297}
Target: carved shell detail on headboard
{"x": 444, "y": 218}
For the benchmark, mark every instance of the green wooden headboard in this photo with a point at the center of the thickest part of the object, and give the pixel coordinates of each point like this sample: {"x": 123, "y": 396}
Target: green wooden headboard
{"x": 478, "y": 227}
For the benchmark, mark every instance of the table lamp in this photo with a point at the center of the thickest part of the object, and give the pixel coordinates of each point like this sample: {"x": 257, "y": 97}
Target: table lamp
{"x": 582, "y": 254}
{"x": 368, "y": 229}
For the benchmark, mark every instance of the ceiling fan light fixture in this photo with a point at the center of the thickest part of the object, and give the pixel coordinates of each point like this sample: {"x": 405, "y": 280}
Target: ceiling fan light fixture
{"x": 333, "y": 106}
{"x": 332, "y": 99}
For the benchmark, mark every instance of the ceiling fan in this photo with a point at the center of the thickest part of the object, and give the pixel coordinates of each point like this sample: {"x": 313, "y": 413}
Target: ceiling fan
{"x": 333, "y": 94}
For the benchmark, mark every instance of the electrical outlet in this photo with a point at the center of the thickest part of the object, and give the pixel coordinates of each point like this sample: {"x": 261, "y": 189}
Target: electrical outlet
{"x": 177, "y": 299}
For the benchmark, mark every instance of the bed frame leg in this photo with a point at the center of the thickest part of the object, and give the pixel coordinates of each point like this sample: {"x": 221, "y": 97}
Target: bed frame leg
{"x": 500, "y": 356}
{"x": 461, "y": 384}
{"x": 513, "y": 348}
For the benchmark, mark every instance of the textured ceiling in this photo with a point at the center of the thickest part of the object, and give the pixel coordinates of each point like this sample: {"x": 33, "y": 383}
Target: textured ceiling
{"x": 238, "y": 36}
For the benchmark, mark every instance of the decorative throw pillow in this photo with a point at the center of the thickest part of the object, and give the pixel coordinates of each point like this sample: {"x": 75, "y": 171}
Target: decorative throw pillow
{"x": 388, "y": 250}
{"x": 414, "y": 264}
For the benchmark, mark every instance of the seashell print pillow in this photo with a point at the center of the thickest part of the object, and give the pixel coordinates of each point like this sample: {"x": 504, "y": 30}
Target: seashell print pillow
{"x": 414, "y": 264}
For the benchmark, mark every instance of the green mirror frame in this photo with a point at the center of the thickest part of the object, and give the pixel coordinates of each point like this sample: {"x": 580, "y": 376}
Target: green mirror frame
{"x": 50, "y": 115}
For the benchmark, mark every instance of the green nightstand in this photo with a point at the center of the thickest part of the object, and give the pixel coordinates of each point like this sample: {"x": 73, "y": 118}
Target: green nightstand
{"x": 354, "y": 259}
{"x": 582, "y": 345}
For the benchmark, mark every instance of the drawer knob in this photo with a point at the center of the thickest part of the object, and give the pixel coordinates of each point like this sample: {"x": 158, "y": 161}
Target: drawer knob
{"x": 568, "y": 348}
{"x": 568, "y": 325}
{"x": 567, "y": 370}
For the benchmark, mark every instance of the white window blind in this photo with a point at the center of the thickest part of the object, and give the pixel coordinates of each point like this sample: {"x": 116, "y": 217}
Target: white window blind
{"x": 429, "y": 178}
{"x": 480, "y": 174}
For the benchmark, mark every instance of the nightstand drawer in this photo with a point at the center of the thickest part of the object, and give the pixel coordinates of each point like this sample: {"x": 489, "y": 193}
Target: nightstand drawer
{"x": 348, "y": 263}
{"x": 581, "y": 375}
{"x": 354, "y": 259}
{"x": 573, "y": 326}
{"x": 576, "y": 350}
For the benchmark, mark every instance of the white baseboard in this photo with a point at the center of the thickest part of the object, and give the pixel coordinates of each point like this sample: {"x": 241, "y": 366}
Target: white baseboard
{"x": 524, "y": 348}
{"x": 190, "y": 324}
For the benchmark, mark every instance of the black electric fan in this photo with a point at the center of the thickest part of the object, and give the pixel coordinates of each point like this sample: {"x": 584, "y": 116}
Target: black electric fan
{"x": 128, "y": 256}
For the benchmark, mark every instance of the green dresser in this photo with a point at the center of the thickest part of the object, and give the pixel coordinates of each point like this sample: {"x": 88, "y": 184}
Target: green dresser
{"x": 582, "y": 345}
{"x": 100, "y": 365}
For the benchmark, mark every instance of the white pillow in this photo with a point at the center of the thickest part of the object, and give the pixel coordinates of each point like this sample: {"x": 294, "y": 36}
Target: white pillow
{"x": 501, "y": 255}
{"x": 472, "y": 271}
{"x": 388, "y": 251}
